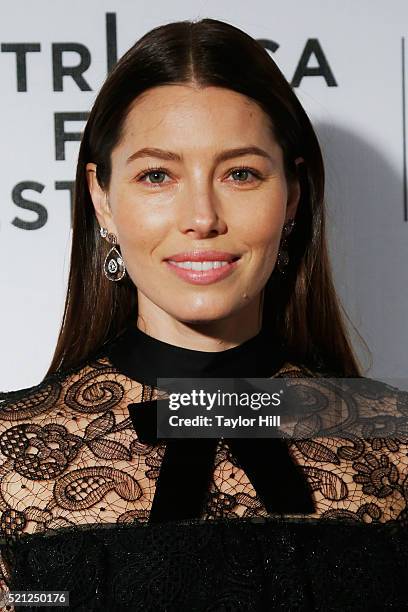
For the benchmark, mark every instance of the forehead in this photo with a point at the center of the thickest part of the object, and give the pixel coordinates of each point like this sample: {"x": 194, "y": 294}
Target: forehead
{"x": 185, "y": 115}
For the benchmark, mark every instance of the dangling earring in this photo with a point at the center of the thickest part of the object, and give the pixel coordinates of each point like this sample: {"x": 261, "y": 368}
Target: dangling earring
{"x": 283, "y": 255}
{"x": 113, "y": 266}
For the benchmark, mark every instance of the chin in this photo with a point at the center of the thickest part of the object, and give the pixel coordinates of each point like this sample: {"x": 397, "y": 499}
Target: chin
{"x": 200, "y": 320}
{"x": 202, "y": 315}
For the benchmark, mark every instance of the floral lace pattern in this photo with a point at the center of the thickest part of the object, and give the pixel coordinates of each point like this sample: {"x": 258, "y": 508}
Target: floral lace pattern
{"x": 69, "y": 456}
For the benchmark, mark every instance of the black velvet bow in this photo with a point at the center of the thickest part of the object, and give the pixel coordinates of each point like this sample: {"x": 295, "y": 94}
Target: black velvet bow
{"x": 187, "y": 467}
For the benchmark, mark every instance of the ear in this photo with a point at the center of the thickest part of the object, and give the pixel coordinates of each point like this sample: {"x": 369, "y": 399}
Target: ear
{"x": 294, "y": 193}
{"x": 100, "y": 200}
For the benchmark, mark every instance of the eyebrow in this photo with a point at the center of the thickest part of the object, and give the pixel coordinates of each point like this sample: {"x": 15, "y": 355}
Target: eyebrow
{"x": 223, "y": 156}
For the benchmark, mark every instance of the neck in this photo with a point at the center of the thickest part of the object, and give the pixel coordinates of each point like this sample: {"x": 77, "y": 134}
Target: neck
{"x": 217, "y": 334}
{"x": 146, "y": 358}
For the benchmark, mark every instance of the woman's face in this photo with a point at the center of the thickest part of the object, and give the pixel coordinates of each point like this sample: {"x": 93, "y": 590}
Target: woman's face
{"x": 196, "y": 170}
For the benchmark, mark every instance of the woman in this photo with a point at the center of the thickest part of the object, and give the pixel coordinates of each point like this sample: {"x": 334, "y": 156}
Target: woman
{"x": 199, "y": 251}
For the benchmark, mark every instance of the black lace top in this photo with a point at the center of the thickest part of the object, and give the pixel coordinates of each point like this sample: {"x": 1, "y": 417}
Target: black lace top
{"x": 94, "y": 504}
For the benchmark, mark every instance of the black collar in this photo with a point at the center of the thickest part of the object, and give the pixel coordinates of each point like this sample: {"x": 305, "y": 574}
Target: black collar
{"x": 145, "y": 358}
{"x": 187, "y": 465}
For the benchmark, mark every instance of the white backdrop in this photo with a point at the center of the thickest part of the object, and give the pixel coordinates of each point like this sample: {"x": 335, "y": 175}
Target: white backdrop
{"x": 357, "y": 110}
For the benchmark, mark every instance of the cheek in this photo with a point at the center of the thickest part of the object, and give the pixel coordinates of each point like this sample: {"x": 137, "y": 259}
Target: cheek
{"x": 140, "y": 229}
{"x": 262, "y": 229}
{"x": 255, "y": 222}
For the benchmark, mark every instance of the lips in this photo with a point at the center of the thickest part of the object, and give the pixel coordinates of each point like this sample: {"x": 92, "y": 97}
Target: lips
{"x": 205, "y": 277}
{"x": 203, "y": 256}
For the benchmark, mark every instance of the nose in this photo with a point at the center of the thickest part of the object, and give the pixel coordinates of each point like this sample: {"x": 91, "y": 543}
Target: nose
{"x": 200, "y": 213}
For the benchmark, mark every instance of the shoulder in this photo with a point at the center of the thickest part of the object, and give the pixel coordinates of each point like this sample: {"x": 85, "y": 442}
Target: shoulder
{"x": 91, "y": 387}
{"x": 351, "y": 438}
{"x": 371, "y": 396}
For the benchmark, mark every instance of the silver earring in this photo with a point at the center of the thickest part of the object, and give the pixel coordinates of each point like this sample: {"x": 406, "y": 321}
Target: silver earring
{"x": 113, "y": 266}
{"x": 283, "y": 255}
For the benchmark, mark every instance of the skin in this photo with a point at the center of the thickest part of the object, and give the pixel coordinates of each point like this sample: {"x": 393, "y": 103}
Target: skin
{"x": 197, "y": 202}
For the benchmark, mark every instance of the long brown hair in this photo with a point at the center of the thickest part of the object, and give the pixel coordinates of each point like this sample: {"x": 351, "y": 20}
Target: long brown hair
{"x": 302, "y": 307}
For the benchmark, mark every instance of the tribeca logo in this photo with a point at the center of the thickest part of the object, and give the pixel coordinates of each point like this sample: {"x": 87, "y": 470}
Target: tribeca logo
{"x": 312, "y": 63}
